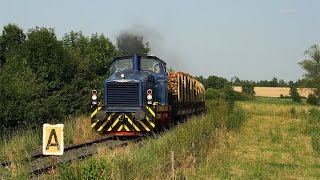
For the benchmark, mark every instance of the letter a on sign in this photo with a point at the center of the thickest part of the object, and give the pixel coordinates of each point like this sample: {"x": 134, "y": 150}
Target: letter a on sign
{"x": 52, "y": 139}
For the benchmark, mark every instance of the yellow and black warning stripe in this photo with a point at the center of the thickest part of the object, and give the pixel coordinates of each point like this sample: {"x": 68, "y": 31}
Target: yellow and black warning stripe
{"x": 95, "y": 112}
{"x": 124, "y": 121}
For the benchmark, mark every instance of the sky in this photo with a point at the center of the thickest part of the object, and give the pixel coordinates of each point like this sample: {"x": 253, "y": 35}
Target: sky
{"x": 251, "y": 39}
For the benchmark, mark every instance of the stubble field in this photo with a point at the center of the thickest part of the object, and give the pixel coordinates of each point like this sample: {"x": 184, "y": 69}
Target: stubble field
{"x": 276, "y": 91}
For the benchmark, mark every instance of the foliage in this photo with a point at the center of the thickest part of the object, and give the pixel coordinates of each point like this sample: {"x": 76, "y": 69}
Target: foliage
{"x": 20, "y": 91}
{"x": 215, "y": 94}
{"x": 312, "y": 99}
{"x": 12, "y": 36}
{"x": 44, "y": 79}
{"x": 312, "y": 67}
{"x": 294, "y": 94}
{"x": 313, "y": 129}
{"x": 216, "y": 82}
{"x": 248, "y": 88}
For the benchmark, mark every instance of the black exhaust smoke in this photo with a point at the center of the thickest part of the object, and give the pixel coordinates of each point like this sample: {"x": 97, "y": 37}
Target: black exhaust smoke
{"x": 129, "y": 44}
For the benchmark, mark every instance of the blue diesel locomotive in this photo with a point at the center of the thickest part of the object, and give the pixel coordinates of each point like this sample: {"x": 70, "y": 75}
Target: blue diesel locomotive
{"x": 141, "y": 96}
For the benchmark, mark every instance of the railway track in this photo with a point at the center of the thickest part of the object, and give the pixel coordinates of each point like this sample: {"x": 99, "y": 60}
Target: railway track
{"x": 40, "y": 164}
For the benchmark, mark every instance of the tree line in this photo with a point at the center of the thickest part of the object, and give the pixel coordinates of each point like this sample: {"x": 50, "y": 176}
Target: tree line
{"x": 45, "y": 79}
{"x": 274, "y": 82}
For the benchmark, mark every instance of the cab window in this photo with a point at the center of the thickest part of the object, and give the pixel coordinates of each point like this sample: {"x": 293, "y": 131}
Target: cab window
{"x": 121, "y": 65}
{"x": 148, "y": 64}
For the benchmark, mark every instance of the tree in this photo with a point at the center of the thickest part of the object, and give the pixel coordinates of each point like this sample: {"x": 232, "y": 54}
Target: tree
{"x": 282, "y": 83}
{"x": 235, "y": 81}
{"x": 294, "y": 93}
{"x": 216, "y": 82}
{"x": 93, "y": 56}
{"x": 48, "y": 59}
{"x": 12, "y": 36}
{"x": 312, "y": 67}
{"x": 248, "y": 88}
{"x": 274, "y": 82}
{"x": 20, "y": 92}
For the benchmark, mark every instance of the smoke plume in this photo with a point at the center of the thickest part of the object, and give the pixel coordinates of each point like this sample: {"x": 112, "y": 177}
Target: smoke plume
{"x": 132, "y": 40}
{"x": 129, "y": 43}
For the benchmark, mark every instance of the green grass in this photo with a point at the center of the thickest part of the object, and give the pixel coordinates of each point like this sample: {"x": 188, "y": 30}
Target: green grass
{"x": 190, "y": 142}
{"x": 19, "y": 146}
{"x": 279, "y": 101}
{"x": 313, "y": 129}
{"x": 257, "y": 140}
{"x": 272, "y": 145}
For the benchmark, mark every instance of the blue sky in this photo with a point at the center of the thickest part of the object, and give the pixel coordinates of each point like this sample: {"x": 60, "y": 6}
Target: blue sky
{"x": 250, "y": 39}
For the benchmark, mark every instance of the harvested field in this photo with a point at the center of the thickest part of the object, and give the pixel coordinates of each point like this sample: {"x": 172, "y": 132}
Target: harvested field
{"x": 276, "y": 91}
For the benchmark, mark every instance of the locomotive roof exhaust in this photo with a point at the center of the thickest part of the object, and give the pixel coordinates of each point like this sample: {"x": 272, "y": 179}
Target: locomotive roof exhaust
{"x": 136, "y": 62}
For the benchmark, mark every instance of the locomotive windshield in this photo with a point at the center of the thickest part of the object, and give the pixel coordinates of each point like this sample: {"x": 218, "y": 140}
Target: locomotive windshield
{"x": 150, "y": 65}
{"x": 146, "y": 64}
{"x": 121, "y": 65}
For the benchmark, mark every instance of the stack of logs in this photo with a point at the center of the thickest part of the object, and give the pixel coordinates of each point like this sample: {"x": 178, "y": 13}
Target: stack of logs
{"x": 190, "y": 88}
{"x": 173, "y": 81}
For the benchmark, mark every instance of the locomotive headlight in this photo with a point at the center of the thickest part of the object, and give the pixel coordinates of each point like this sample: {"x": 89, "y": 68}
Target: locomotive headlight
{"x": 149, "y": 96}
{"x": 94, "y": 95}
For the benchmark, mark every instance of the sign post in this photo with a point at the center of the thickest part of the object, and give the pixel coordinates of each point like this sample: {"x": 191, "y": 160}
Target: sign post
{"x": 52, "y": 141}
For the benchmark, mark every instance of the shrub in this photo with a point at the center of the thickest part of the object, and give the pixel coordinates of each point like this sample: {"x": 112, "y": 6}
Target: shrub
{"x": 248, "y": 88}
{"x": 312, "y": 99}
{"x": 215, "y": 94}
{"x": 294, "y": 94}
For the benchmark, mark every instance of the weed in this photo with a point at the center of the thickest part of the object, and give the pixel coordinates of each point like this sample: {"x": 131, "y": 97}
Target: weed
{"x": 313, "y": 129}
{"x": 293, "y": 112}
{"x": 275, "y": 134}
{"x": 236, "y": 119}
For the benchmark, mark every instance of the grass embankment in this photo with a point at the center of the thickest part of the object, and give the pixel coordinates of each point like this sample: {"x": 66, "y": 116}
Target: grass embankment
{"x": 278, "y": 140}
{"x": 19, "y": 146}
{"x": 177, "y": 153}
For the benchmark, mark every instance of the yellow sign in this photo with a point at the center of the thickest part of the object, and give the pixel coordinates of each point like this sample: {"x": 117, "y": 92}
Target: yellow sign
{"x": 52, "y": 139}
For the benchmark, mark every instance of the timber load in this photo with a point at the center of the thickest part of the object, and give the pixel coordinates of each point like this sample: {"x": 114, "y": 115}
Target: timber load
{"x": 185, "y": 88}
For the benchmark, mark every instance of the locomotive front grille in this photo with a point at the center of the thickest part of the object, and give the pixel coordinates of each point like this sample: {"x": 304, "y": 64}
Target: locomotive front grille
{"x": 123, "y": 94}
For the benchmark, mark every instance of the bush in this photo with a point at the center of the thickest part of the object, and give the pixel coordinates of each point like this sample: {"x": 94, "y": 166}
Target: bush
{"x": 294, "y": 94}
{"x": 215, "y": 94}
{"x": 248, "y": 88}
{"x": 312, "y": 99}
{"x": 239, "y": 96}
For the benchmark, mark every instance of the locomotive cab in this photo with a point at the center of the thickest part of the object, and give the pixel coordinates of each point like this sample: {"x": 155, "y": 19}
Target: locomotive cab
{"x": 136, "y": 86}
{"x": 148, "y": 71}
